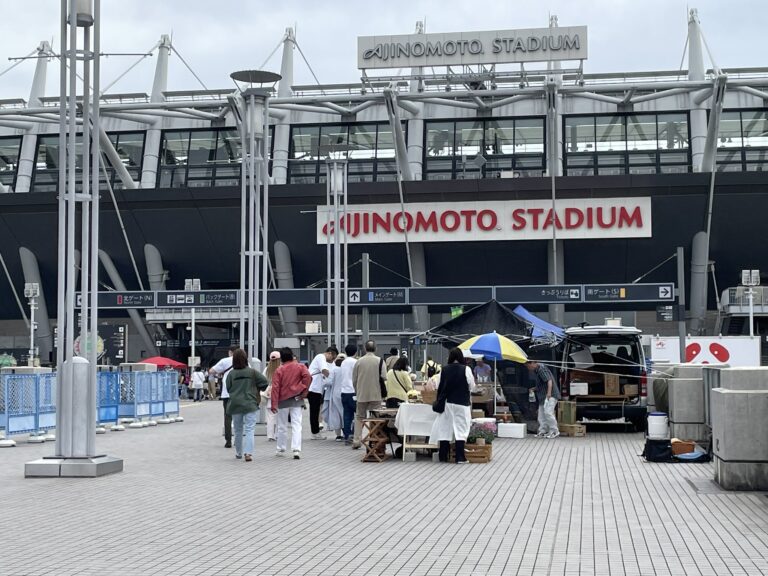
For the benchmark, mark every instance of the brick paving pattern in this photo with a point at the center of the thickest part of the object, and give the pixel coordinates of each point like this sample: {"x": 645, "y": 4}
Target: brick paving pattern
{"x": 184, "y": 505}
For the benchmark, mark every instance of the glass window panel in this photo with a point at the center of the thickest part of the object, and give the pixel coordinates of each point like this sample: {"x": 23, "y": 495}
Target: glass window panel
{"x": 673, "y": 169}
{"x": 175, "y": 147}
{"x": 228, "y": 147}
{"x": 440, "y": 165}
{"x": 130, "y": 147}
{"x": 529, "y": 135}
{"x": 673, "y": 131}
{"x": 9, "y": 153}
{"x": 499, "y": 137}
{"x": 385, "y": 177}
{"x": 581, "y": 171}
{"x": 386, "y": 166}
{"x": 673, "y": 158}
{"x": 609, "y": 160}
{"x": 304, "y": 142}
{"x": 529, "y": 161}
{"x": 360, "y": 167}
{"x": 439, "y": 176}
{"x": 202, "y": 147}
{"x": 755, "y": 127}
{"x": 362, "y": 141}
{"x": 610, "y": 170}
{"x": 635, "y": 159}
{"x": 303, "y": 167}
{"x": 757, "y": 167}
{"x": 385, "y": 142}
{"x": 641, "y": 132}
{"x": 469, "y": 138}
{"x": 729, "y": 167}
{"x": 610, "y": 133}
{"x": 440, "y": 138}
{"x": 753, "y": 155}
{"x": 47, "y": 153}
{"x": 581, "y": 159}
{"x": 499, "y": 164}
{"x": 580, "y": 134}
{"x": 729, "y": 156}
{"x": 729, "y": 133}
{"x": 642, "y": 169}
{"x": 333, "y": 141}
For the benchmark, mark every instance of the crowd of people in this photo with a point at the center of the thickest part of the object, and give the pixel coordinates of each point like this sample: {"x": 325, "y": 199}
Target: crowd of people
{"x": 340, "y": 390}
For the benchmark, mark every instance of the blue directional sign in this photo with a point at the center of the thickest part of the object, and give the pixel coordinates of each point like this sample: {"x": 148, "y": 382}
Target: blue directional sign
{"x": 563, "y": 294}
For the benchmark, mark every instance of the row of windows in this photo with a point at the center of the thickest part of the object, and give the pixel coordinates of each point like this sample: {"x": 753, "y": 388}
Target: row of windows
{"x": 453, "y": 149}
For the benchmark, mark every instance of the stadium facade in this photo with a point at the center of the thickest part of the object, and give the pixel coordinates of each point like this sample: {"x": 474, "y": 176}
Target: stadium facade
{"x": 516, "y": 167}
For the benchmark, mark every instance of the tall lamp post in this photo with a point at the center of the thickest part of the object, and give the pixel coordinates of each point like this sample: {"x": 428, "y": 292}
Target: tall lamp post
{"x": 76, "y": 454}
{"x": 192, "y": 285}
{"x": 250, "y": 108}
{"x": 32, "y": 292}
{"x": 751, "y": 278}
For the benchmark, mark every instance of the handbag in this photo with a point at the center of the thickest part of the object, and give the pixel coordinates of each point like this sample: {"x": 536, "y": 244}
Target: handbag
{"x": 382, "y": 381}
{"x": 439, "y": 405}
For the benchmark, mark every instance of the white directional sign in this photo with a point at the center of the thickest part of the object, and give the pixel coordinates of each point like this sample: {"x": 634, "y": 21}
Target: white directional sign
{"x": 354, "y": 296}
{"x": 665, "y": 292}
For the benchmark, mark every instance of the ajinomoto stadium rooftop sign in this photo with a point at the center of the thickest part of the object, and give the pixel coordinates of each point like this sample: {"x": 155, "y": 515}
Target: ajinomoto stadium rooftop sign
{"x": 466, "y": 48}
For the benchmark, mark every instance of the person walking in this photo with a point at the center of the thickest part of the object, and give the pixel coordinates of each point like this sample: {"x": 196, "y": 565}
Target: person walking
{"x": 269, "y": 373}
{"x": 391, "y": 359}
{"x": 547, "y": 395}
{"x": 429, "y": 368}
{"x": 333, "y": 410}
{"x": 398, "y": 383}
{"x": 348, "y": 391}
{"x": 290, "y": 385}
{"x": 319, "y": 369}
{"x": 220, "y": 369}
{"x": 244, "y": 385}
{"x": 368, "y": 375}
{"x": 456, "y": 382}
{"x": 198, "y": 383}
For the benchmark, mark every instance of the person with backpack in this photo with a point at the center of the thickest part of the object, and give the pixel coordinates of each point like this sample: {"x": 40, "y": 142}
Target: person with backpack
{"x": 398, "y": 383}
{"x": 429, "y": 368}
{"x": 243, "y": 384}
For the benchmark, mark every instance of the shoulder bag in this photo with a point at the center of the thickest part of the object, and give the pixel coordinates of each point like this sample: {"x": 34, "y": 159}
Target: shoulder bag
{"x": 382, "y": 381}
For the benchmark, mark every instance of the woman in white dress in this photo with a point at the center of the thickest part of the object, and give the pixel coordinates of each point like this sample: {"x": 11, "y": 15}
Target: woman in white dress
{"x": 453, "y": 404}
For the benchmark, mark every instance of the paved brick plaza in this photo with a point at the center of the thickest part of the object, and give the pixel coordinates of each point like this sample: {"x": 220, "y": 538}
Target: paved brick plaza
{"x": 184, "y": 505}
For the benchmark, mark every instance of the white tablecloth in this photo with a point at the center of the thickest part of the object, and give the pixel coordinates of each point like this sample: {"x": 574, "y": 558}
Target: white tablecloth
{"x": 415, "y": 419}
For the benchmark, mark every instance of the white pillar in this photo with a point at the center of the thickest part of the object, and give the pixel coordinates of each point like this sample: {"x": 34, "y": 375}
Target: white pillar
{"x": 696, "y": 71}
{"x": 152, "y": 142}
{"x": 282, "y": 125}
{"x": 29, "y": 142}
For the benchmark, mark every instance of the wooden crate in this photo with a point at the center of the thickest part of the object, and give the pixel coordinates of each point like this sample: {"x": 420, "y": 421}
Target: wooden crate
{"x": 573, "y": 430}
{"x": 566, "y": 412}
{"x": 611, "y": 382}
{"x": 474, "y": 453}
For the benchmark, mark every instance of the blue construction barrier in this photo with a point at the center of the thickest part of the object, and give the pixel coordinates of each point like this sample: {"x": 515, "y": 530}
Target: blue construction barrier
{"x": 28, "y": 401}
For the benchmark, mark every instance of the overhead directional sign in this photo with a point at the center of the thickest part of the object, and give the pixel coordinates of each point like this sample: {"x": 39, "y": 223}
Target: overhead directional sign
{"x": 539, "y": 294}
{"x": 199, "y": 299}
{"x": 123, "y": 300}
{"x": 629, "y": 292}
{"x": 295, "y": 297}
{"x": 452, "y": 295}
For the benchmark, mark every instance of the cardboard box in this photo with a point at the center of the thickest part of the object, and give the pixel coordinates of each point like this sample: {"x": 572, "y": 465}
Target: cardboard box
{"x": 611, "y": 382}
{"x": 478, "y": 414}
{"x": 428, "y": 396}
{"x": 682, "y": 446}
{"x": 630, "y": 389}
{"x": 566, "y": 413}
{"x": 573, "y": 430}
{"x": 512, "y": 430}
{"x": 579, "y": 389}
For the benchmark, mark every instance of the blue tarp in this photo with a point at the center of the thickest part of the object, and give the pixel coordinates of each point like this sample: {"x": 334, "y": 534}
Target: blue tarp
{"x": 540, "y": 329}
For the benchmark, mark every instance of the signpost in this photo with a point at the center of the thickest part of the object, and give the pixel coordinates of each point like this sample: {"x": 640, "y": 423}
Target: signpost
{"x": 198, "y": 299}
{"x": 617, "y": 293}
{"x": 540, "y": 294}
{"x": 667, "y": 313}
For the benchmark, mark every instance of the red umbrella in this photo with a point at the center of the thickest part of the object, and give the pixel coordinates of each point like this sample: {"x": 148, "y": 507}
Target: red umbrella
{"x": 163, "y": 362}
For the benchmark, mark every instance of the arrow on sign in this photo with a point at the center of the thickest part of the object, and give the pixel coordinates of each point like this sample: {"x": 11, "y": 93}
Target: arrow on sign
{"x": 665, "y": 292}
{"x": 354, "y": 296}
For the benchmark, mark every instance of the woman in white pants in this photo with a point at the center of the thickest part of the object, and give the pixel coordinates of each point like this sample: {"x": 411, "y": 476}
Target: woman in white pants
{"x": 269, "y": 372}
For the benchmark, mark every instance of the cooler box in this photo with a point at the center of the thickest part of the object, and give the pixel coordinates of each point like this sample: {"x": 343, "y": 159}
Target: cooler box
{"x": 512, "y": 430}
{"x": 579, "y": 388}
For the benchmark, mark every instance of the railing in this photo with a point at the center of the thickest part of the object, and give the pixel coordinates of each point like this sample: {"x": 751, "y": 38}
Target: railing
{"x": 738, "y": 297}
{"x": 28, "y": 401}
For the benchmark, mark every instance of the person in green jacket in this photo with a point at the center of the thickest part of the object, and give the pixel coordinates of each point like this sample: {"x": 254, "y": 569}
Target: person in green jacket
{"x": 244, "y": 385}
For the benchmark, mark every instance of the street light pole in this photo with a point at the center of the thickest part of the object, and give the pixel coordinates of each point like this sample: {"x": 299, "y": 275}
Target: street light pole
{"x": 192, "y": 285}
{"x": 32, "y": 291}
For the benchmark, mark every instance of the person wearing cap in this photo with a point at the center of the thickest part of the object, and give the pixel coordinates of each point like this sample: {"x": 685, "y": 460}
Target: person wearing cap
{"x": 547, "y": 395}
{"x": 333, "y": 410}
{"x": 269, "y": 372}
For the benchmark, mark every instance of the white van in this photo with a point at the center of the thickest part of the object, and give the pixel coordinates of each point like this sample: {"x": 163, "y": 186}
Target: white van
{"x": 603, "y": 370}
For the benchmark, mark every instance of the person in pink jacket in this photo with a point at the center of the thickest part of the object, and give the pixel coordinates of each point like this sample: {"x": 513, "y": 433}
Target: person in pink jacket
{"x": 290, "y": 385}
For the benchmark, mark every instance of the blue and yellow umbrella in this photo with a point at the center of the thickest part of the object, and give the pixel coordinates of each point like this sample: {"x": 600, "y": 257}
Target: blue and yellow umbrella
{"x": 494, "y": 347}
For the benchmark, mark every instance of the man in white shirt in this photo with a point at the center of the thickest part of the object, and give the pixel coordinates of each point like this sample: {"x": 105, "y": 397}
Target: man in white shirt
{"x": 319, "y": 369}
{"x": 348, "y": 391}
{"x": 221, "y": 369}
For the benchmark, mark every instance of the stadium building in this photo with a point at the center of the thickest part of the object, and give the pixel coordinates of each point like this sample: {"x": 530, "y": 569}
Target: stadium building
{"x": 474, "y": 160}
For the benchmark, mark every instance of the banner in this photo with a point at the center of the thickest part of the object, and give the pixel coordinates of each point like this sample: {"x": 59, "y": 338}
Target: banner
{"x": 731, "y": 350}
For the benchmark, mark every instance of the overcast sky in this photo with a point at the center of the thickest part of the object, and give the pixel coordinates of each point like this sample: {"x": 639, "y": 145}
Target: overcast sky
{"x": 217, "y": 37}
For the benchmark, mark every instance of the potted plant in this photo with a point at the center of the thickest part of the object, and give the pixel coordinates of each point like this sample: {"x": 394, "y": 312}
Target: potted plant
{"x": 484, "y": 431}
